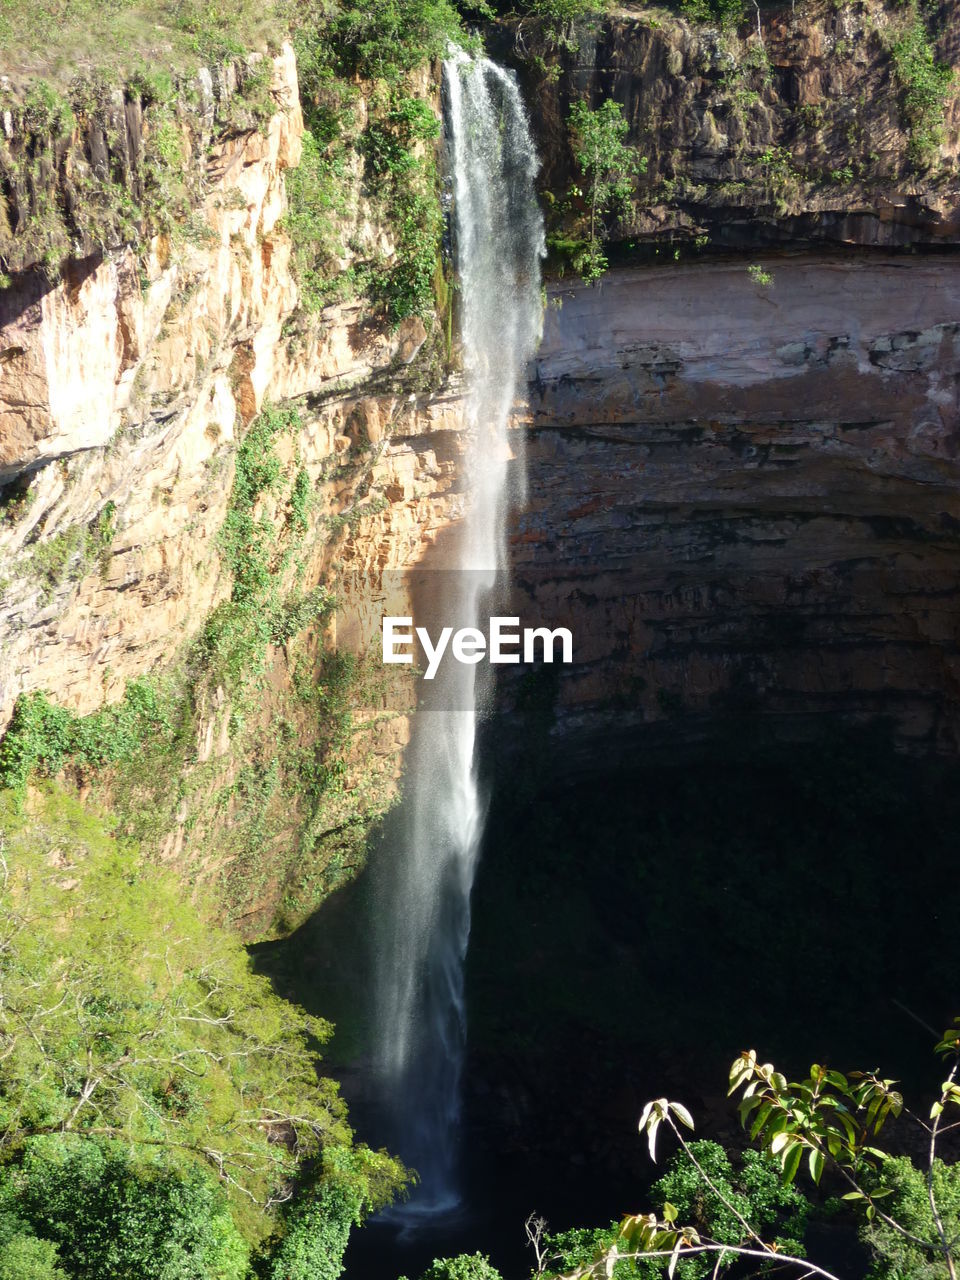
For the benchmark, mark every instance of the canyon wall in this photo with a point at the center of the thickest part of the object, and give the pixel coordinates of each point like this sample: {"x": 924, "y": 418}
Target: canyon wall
{"x": 744, "y": 497}
{"x": 126, "y": 387}
{"x": 796, "y": 130}
{"x": 742, "y": 491}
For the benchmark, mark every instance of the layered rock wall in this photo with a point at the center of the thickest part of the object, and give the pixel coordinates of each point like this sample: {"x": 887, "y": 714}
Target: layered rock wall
{"x": 746, "y": 498}
{"x": 798, "y": 134}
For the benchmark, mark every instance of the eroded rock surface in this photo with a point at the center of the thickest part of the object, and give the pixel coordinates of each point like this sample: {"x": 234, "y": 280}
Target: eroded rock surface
{"x": 745, "y": 498}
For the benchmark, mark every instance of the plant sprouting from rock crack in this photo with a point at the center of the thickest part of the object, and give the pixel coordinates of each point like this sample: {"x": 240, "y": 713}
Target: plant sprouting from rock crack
{"x": 609, "y": 168}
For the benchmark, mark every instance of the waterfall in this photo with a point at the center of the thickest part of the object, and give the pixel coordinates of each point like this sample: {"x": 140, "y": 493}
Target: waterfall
{"x": 424, "y": 917}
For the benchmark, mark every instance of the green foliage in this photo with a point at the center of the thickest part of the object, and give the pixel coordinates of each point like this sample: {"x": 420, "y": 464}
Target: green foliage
{"x": 25, "y": 1257}
{"x": 465, "y": 1266}
{"x": 245, "y": 540}
{"x": 143, "y": 1024}
{"x": 100, "y": 1213}
{"x": 830, "y": 1118}
{"x": 383, "y": 42}
{"x": 727, "y": 13}
{"x": 813, "y": 1118}
{"x": 560, "y": 18}
{"x": 763, "y": 279}
{"x": 71, "y": 554}
{"x": 385, "y": 39}
{"x": 405, "y": 175}
{"x": 42, "y": 737}
{"x": 316, "y": 1234}
{"x": 314, "y": 199}
{"x": 46, "y": 112}
{"x": 895, "y": 1257}
{"x": 236, "y": 638}
{"x": 925, "y": 86}
{"x": 754, "y": 1189}
{"x": 608, "y": 166}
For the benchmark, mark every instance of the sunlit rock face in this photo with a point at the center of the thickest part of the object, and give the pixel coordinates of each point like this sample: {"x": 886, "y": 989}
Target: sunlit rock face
{"x": 127, "y": 386}
{"x": 791, "y": 131}
{"x": 743, "y": 498}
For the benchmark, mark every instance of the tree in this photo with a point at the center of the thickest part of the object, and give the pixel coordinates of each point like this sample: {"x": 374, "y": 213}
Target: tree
{"x": 754, "y": 1190}
{"x": 465, "y": 1266}
{"x": 125, "y": 1016}
{"x": 609, "y": 168}
{"x": 101, "y": 1213}
{"x": 316, "y": 1237}
{"x": 829, "y": 1120}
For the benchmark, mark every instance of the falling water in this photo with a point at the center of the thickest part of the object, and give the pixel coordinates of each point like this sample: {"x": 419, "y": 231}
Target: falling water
{"x": 422, "y": 940}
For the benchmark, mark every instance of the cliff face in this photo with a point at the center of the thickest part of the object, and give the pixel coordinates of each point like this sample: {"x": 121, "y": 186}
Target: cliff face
{"x": 744, "y": 498}
{"x": 742, "y": 493}
{"x": 125, "y": 389}
{"x": 743, "y": 470}
{"x": 802, "y": 131}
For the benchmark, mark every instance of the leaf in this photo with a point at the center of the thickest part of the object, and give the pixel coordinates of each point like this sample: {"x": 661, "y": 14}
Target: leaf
{"x": 652, "y": 1139}
{"x": 779, "y": 1142}
{"x": 682, "y": 1114}
{"x": 875, "y": 1151}
{"x": 760, "y": 1121}
{"x": 848, "y": 1126}
{"x": 674, "y": 1257}
{"x": 815, "y": 1161}
{"x": 669, "y": 1212}
{"x": 791, "y": 1161}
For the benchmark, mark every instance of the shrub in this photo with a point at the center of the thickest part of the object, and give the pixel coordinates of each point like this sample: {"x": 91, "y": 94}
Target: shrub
{"x": 608, "y": 166}
{"x": 895, "y": 1257}
{"x": 925, "y": 85}
{"x": 43, "y": 737}
{"x": 24, "y": 1257}
{"x": 465, "y": 1266}
{"x": 164, "y": 1067}
{"x": 755, "y": 1190}
{"x": 316, "y": 1236}
{"x": 102, "y": 1215}
{"x": 728, "y": 13}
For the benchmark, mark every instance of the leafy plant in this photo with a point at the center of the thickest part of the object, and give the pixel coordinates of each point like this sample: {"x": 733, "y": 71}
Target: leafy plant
{"x": 98, "y": 1212}
{"x": 608, "y": 166}
{"x": 465, "y": 1266}
{"x": 728, "y": 13}
{"x": 143, "y": 1026}
{"x": 560, "y": 19}
{"x": 753, "y": 1191}
{"x": 71, "y": 554}
{"x": 316, "y": 1235}
{"x": 827, "y": 1120}
{"x": 897, "y": 1255}
{"x": 760, "y": 277}
{"x": 43, "y": 737}
{"x": 25, "y": 1257}
{"x": 925, "y": 85}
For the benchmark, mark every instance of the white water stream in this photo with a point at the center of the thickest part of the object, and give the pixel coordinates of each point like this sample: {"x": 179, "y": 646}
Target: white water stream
{"x": 424, "y": 921}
